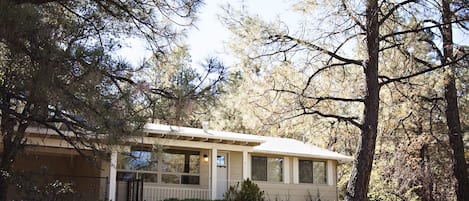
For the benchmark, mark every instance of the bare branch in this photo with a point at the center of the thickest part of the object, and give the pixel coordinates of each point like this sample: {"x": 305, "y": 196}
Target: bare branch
{"x": 352, "y": 16}
{"x": 431, "y": 68}
{"x": 286, "y": 38}
{"x": 391, "y": 11}
{"x": 418, "y": 29}
{"x": 351, "y": 120}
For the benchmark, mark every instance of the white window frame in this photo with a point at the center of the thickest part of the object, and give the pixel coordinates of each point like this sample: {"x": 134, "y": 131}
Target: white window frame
{"x": 159, "y": 172}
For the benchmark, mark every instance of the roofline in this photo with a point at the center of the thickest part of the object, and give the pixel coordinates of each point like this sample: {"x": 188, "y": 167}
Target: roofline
{"x": 186, "y": 131}
{"x": 340, "y": 159}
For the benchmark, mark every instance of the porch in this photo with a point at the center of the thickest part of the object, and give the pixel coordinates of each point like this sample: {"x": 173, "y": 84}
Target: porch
{"x": 175, "y": 172}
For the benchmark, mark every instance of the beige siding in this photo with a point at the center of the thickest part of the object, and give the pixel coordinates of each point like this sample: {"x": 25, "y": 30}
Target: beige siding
{"x": 297, "y": 192}
{"x": 288, "y": 190}
{"x": 236, "y": 166}
{"x": 204, "y": 170}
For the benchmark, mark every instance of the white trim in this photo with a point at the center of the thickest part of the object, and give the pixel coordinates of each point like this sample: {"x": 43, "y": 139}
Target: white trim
{"x": 213, "y": 190}
{"x": 296, "y": 174}
{"x": 245, "y": 170}
{"x": 286, "y": 170}
{"x": 330, "y": 173}
{"x": 196, "y": 132}
{"x": 190, "y": 144}
{"x": 112, "y": 176}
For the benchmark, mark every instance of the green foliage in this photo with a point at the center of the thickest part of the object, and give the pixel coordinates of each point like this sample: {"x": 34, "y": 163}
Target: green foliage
{"x": 59, "y": 70}
{"x": 183, "y": 94}
{"x": 249, "y": 192}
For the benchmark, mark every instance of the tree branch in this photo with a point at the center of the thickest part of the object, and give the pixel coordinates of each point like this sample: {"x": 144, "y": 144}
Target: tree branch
{"x": 432, "y": 68}
{"x": 397, "y": 6}
{"x": 286, "y": 38}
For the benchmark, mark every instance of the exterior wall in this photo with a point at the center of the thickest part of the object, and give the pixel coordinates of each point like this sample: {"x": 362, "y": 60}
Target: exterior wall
{"x": 204, "y": 170}
{"x": 289, "y": 189}
{"x": 297, "y": 192}
{"x": 235, "y": 166}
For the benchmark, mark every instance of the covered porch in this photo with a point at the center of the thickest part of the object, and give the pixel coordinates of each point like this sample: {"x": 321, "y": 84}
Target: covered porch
{"x": 172, "y": 165}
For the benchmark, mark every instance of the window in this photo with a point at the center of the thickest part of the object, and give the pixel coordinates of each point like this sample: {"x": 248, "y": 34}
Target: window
{"x": 312, "y": 172}
{"x": 180, "y": 167}
{"x": 138, "y": 160}
{"x": 266, "y": 169}
{"x": 169, "y": 167}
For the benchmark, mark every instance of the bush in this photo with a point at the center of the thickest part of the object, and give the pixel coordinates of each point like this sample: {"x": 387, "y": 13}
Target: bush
{"x": 249, "y": 192}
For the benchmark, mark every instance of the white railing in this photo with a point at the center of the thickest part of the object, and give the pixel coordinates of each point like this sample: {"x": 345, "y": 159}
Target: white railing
{"x": 157, "y": 193}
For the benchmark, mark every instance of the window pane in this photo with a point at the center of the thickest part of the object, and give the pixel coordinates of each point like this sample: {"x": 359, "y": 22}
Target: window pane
{"x": 306, "y": 171}
{"x": 259, "y": 168}
{"x": 147, "y": 177}
{"x": 221, "y": 160}
{"x": 319, "y": 168}
{"x": 275, "y": 169}
{"x": 138, "y": 160}
{"x": 194, "y": 164}
{"x": 170, "y": 179}
{"x": 173, "y": 162}
{"x": 188, "y": 179}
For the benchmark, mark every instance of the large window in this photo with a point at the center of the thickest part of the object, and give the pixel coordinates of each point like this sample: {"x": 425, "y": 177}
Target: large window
{"x": 169, "y": 167}
{"x": 266, "y": 169}
{"x": 180, "y": 167}
{"x": 312, "y": 172}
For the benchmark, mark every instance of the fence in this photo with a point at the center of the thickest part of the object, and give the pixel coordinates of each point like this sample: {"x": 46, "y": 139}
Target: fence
{"x": 161, "y": 193}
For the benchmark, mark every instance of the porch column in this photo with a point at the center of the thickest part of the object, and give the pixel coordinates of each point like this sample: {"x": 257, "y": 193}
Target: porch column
{"x": 214, "y": 174}
{"x": 112, "y": 176}
{"x": 330, "y": 173}
{"x": 286, "y": 170}
{"x": 245, "y": 165}
{"x": 296, "y": 174}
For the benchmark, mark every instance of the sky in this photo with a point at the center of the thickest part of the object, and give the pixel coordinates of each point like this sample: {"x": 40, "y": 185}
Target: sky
{"x": 209, "y": 36}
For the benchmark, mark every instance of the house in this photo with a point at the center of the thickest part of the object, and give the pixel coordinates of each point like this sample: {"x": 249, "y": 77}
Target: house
{"x": 180, "y": 162}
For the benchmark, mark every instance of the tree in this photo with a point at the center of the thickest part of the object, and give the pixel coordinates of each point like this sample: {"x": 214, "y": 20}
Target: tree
{"x": 58, "y": 70}
{"x": 452, "y": 110}
{"x": 181, "y": 94}
{"x": 340, "y": 86}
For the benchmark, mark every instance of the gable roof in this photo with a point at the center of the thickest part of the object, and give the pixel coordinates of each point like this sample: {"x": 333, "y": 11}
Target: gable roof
{"x": 260, "y": 144}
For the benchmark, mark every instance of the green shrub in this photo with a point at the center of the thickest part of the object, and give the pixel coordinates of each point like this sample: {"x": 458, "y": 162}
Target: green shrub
{"x": 249, "y": 192}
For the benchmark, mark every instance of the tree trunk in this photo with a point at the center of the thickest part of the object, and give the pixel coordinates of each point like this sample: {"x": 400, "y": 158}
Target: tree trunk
{"x": 357, "y": 188}
{"x": 452, "y": 110}
{"x": 5, "y": 173}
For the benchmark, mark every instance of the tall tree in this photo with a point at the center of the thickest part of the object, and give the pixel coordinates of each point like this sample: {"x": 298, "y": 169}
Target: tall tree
{"x": 58, "y": 69}
{"x": 451, "y": 97}
{"x": 341, "y": 85}
{"x": 182, "y": 94}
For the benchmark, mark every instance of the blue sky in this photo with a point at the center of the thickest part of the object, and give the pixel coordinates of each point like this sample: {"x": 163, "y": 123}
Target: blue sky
{"x": 209, "y": 36}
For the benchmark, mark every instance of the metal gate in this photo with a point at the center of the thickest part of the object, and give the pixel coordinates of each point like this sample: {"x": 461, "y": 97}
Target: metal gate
{"x": 135, "y": 190}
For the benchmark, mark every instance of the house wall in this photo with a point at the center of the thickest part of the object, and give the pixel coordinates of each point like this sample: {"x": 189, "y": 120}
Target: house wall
{"x": 235, "y": 166}
{"x": 204, "y": 169}
{"x": 289, "y": 189}
{"x": 297, "y": 192}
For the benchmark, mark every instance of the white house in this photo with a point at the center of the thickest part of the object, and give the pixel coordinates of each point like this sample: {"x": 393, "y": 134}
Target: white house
{"x": 180, "y": 162}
